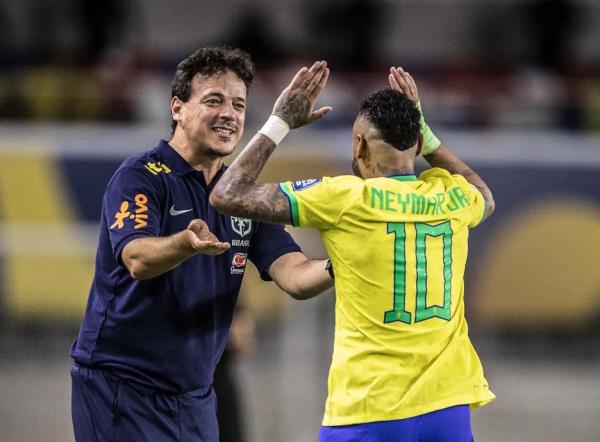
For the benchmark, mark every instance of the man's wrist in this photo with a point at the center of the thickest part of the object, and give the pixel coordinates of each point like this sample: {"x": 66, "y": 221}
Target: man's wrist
{"x": 275, "y": 129}
{"x": 185, "y": 243}
{"x": 430, "y": 141}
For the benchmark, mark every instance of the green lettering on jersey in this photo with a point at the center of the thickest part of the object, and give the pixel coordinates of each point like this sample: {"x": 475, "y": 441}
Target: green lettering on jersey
{"x": 418, "y": 204}
{"x": 440, "y": 200}
{"x": 376, "y": 194}
{"x": 454, "y": 205}
{"x": 389, "y": 199}
{"x": 461, "y": 197}
{"x": 404, "y": 201}
{"x": 422, "y": 311}
{"x": 432, "y": 206}
{"x": 398, "y": 314}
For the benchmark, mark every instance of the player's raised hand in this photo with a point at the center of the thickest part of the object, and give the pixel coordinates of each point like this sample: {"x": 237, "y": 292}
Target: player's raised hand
{"x": 296, "y": 102}
{"x": 401, "y": 81}
{"x": 203, "y": 240}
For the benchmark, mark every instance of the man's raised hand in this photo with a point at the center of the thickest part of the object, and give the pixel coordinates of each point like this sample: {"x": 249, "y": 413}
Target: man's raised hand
{"x": 401, "y": 81}
{"x": 296, "y": 102}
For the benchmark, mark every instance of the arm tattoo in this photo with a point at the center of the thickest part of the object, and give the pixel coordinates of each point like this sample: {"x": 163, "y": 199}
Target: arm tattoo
{"x": 293, "y": 108}
{"x": 454, "y": 165}
{"x": 237, "y": 192}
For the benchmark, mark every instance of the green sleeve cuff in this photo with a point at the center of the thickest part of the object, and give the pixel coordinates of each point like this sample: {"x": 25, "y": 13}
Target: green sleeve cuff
{"x": 430, "y": 141}
{"x": 289, "y": 193}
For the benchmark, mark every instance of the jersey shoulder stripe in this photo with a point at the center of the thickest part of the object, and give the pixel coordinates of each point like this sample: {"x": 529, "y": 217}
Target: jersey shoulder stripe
{"x": 287, "y": 190}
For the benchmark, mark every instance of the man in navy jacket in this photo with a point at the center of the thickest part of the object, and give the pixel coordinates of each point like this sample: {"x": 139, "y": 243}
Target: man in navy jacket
{"x": 169, "y": 268}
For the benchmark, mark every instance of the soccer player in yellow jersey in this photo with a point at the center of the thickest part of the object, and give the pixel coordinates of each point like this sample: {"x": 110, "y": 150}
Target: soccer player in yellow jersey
{"x": 403, "y": 367}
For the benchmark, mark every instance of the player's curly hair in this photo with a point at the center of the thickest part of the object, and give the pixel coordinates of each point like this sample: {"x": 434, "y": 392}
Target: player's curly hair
{"x": 210, "y": 61}
{"x": 394, "y": 115}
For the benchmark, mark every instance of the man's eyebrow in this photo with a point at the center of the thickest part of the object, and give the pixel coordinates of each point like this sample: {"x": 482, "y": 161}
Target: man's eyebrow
{"x": 221, "y": 95}
{"x": 213, "y": 93}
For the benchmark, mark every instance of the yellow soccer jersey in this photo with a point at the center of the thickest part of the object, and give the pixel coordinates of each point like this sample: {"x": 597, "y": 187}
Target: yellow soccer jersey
{"x": 399, "y": 248}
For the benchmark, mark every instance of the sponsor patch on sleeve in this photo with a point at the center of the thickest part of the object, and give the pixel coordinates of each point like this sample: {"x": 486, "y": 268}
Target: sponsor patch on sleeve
{"x": 304, "y": 184}
{"x": 156, "y": 168}
{"x": 127, "y": 212}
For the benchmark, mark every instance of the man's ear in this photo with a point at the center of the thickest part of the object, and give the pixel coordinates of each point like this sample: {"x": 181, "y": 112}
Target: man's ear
{"x": 176, "y": 106}
{"x": 419, "y": 144}
{"x": 361, "y": 146}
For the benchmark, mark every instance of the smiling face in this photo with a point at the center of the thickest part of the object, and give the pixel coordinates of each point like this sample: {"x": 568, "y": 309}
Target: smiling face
{"x": 212, "y": 121}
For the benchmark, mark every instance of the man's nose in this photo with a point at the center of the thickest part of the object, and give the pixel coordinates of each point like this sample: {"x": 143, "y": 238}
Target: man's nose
{"x": 227, "y": 111}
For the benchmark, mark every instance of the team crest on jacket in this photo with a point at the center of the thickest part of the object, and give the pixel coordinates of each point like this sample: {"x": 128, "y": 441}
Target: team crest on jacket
{"x": 304, "y": 184}
{"x": 241, "y": 226}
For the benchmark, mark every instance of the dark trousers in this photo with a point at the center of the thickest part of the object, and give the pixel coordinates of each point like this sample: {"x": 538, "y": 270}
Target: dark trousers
{"x": 105, "y": 408}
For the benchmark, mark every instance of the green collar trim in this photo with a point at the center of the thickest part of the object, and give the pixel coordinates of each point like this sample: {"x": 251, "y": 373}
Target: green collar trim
{"x": 403, "y": 177}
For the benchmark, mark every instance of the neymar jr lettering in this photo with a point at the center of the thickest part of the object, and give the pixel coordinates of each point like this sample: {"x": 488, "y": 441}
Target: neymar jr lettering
{"x": 416, "y": 204}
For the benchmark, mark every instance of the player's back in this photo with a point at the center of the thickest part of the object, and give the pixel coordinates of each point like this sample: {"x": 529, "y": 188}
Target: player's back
{"x": 399, "y": 248}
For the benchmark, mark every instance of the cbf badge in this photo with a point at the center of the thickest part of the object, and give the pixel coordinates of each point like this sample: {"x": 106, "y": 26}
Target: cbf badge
{"x": 304, "y": 184}
{"x": 241, "y": 226}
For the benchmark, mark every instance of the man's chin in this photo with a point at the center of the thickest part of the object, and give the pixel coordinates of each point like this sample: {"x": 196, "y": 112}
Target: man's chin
{"x": 219, "y": 151}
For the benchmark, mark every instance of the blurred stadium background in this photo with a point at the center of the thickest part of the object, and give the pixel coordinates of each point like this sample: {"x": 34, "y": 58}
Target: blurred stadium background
{"x": 512, "y": 85}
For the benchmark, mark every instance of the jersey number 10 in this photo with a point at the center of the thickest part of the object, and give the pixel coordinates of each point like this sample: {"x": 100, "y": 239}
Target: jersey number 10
{"x": 422, "y": 312}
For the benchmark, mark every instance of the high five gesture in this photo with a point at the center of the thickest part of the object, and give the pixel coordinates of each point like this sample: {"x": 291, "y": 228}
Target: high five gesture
{"x": 296, "y": 102}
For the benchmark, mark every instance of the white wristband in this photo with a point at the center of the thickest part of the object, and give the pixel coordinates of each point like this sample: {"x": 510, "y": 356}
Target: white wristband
{"x": 275, "y": 128}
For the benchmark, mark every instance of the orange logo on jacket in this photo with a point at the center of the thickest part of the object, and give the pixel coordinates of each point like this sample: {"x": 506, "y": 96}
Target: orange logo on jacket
{"x": 140, "y": 216}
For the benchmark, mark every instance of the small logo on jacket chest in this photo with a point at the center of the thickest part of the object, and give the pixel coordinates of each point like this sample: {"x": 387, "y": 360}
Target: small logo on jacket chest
{"x": 241, "y": 226}
{"x": 238, "y": 264}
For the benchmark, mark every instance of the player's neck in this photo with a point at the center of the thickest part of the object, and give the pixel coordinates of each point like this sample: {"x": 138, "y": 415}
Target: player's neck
{"x": 384, "y": 160}
{"x": 400, "y": 171}
{"x": 378, "y": 171}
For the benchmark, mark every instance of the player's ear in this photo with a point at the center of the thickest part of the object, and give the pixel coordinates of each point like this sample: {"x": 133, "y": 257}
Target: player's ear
{"x": 419, "y": 144}
{"x": 176, "y": 106}
{"x": 361, "y": 146}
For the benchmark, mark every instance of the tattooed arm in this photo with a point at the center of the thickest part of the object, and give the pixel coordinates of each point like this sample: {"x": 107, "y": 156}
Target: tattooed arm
{"x": 237, "y": 192}
{"x": 443, "y": 157}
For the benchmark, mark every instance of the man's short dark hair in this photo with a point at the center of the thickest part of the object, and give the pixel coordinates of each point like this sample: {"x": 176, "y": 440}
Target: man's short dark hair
{"x": 394, "y": 115}
{"x": 210, "y": 61}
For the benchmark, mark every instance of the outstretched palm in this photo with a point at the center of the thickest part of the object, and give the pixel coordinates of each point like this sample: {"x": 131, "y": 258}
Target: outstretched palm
{"x": 203, "y": 240}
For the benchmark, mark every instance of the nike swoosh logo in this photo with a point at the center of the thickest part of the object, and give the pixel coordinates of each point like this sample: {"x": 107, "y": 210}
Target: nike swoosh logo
{"x": 174, "y": 212}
